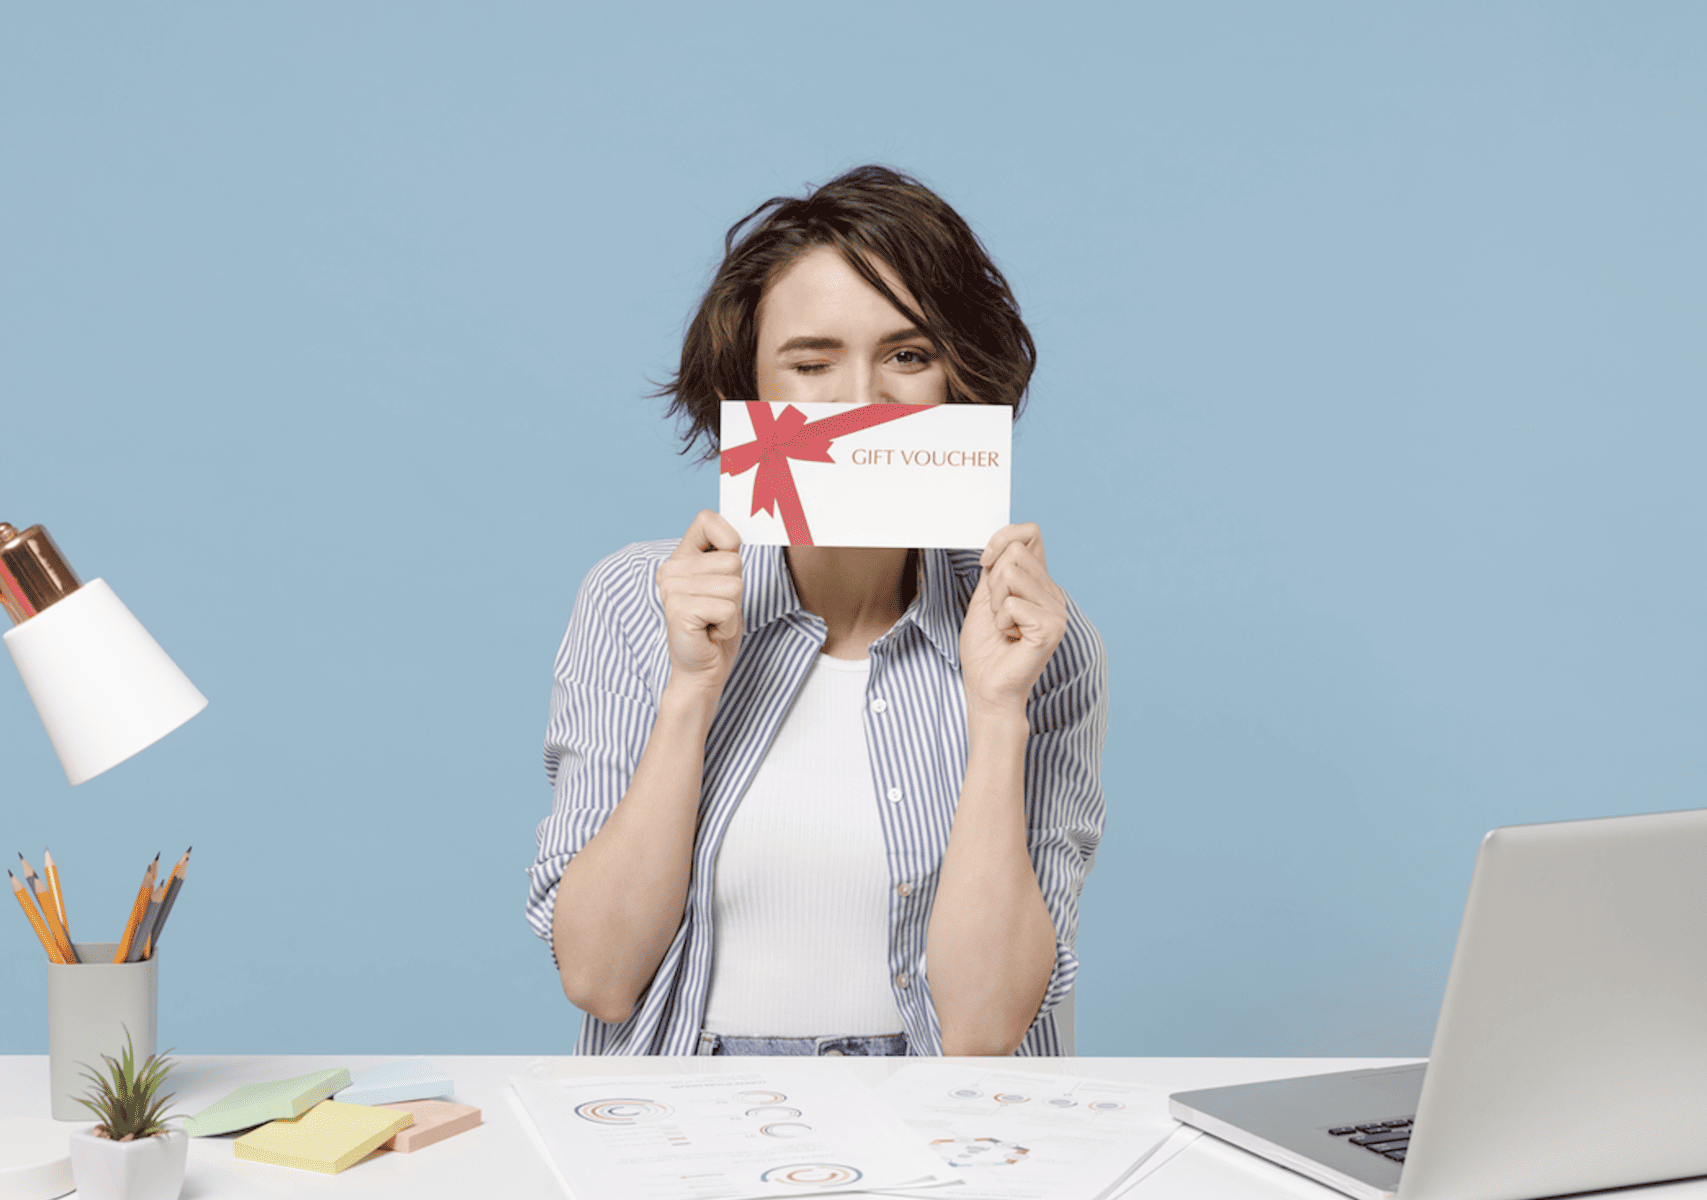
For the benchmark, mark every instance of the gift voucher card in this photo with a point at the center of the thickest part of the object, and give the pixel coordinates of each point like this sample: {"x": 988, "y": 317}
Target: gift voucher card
{"x": 916, "y": 475}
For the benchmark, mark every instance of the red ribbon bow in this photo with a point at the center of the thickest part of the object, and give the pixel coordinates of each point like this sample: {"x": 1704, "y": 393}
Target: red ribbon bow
{"x": 788, "y": 435}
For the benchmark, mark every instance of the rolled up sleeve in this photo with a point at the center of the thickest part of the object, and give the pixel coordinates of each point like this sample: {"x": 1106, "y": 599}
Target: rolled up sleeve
{"x": 603, "y": 704}
{"x": 1068, "y": 717}
{"x": 1064, "y": 804}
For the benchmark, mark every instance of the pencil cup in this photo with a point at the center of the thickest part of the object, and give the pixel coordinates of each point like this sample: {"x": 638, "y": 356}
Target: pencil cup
{"x": 89, "y": 1006}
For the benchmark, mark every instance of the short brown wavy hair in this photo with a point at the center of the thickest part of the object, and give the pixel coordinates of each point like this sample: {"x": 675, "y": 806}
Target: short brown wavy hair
{"x": 869, "y": 213}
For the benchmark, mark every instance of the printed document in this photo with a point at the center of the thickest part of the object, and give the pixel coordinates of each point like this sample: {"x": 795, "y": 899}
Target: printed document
{"x": 723, "y": 1137}
{"x": 1023, "y": 1136}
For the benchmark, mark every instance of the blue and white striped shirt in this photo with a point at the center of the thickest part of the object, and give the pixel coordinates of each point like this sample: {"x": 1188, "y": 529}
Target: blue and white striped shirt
{"x": 610, "y": 673}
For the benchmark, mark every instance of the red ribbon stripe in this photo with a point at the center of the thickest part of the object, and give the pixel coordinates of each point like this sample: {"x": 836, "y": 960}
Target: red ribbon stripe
{"x": 789, "y": 435}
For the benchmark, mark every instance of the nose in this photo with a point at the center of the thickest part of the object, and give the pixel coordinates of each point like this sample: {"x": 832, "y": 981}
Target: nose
{"x": 867, "y": 385}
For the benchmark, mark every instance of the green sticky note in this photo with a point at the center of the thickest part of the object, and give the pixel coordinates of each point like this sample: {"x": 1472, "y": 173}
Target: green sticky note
{"x": 257, "y": 1103}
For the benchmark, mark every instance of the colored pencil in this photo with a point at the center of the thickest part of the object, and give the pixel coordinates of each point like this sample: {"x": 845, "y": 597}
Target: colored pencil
{"x": 136, "y": 910}
{"x": 59, "y": 905}
{"x": 36, "y": 924}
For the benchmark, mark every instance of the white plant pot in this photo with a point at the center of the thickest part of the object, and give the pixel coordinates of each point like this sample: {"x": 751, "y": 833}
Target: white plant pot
{"x": 150, "y": 1168}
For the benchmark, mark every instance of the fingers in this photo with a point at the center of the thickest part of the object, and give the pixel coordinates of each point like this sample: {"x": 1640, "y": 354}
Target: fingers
{"x": 716, "y": 624}
{"x": 709, "y": 572}
{"x": 709, "y": 531}
{"x": 1016, "y": 620}
{"x": 704, "y": 588}
{"x": 1027, "y": 534}
{"x": 702, "y": 576}
{"x": 1005, "y": 647}
{"x": 1014, "y": 567}
{"x": 710, "y": 604}
{"x": 700, "y": 586}
{"x": 1039, "y": 624}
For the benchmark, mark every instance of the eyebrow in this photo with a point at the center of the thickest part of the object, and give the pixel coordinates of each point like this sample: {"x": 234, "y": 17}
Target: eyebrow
{"x": 830, "y": 343}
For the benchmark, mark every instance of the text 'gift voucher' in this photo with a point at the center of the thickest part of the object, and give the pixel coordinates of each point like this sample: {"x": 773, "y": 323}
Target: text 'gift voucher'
{"x": 917, "y": 475}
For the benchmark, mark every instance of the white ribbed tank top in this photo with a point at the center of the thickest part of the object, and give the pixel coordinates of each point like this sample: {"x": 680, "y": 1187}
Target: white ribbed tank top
{"x": 801, "y": 896}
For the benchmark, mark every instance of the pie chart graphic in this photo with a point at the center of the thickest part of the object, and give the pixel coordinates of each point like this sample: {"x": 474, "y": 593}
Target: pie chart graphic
{"x": 758, "y": 1097}
{"x": 785, "y": 1129}
{"x": 621, "y": 1110}
{"x": 813, "y": 1175}
{"x": 774, "y": 1112}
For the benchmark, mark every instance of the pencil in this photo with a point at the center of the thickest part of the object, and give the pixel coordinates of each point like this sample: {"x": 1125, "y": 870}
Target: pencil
{"x": 59, "y": 905}
{"x": 174, "y": 884}
{"x": 53, "y": 953}
{"x": 136, "y": 910}
{"x": 139, "y": 943}
{"x": 38, "y": 889}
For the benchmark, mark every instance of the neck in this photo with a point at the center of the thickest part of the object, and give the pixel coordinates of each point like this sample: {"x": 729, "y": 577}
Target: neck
{"x": 860, "y": 592}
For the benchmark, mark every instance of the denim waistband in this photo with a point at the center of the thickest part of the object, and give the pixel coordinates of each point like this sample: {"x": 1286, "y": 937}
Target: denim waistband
{"x": 879, "y": 1045}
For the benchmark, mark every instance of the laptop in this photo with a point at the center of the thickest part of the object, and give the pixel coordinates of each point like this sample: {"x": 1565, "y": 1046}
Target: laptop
{"x": 1571, "y": 1050}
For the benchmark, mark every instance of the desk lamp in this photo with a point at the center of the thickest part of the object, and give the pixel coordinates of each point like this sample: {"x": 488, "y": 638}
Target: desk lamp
{"x": 103, "y": 687}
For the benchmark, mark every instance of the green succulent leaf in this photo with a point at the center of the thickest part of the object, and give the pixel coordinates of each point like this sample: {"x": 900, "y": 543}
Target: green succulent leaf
{"x": 124, "y": 1099}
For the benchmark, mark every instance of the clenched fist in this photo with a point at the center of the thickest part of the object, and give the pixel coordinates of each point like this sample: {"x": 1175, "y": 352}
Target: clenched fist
{"x": 701, "y": 588}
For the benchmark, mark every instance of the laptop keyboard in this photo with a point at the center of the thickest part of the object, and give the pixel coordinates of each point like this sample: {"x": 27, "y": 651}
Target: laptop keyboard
{"x": 1386, "y": 1138}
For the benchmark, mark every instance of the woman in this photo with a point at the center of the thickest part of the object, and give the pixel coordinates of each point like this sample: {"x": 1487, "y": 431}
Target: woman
{"x": 826, "y": 799}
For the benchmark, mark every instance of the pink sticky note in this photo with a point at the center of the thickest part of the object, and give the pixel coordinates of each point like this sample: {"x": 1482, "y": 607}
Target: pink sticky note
{"x": 435, "y": 1120}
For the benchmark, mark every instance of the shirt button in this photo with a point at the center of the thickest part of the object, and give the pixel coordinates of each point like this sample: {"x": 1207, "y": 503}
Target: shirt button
{"x": 905, "y": 887}
{"x": 894, "y": 795}
{"x": 879, "y": 705}
{"x": 902, "y": 980}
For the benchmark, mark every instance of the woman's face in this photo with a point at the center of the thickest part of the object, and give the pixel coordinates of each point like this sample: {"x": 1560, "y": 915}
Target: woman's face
{"x": 826, "y": 336}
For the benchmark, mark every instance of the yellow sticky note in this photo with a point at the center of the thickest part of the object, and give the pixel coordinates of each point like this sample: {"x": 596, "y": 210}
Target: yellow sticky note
{"x": 328, "y": 1137}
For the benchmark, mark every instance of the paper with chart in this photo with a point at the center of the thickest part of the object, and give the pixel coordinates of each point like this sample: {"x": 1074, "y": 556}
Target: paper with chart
{"x": 723, "y": 1137}
{"x": 1017, "y": 1135}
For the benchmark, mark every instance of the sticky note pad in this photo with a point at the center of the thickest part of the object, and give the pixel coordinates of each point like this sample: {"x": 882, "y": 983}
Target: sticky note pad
{"x": 406, "y": 1079}
{"x": 328, "y": 1137}
{"x": 256, "y": 1103}
{"x": 435, "y": 1120}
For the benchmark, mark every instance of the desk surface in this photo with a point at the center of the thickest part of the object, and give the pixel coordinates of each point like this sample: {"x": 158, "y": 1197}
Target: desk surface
{"x": 499, "y": 1159}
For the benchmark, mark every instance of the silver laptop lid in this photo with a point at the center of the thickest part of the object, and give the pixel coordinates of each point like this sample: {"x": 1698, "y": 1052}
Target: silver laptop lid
{"x": 1571, "y": 1051}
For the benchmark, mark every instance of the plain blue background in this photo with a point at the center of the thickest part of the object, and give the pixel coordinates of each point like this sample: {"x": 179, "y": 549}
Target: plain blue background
{"x": 1368, "y": 429}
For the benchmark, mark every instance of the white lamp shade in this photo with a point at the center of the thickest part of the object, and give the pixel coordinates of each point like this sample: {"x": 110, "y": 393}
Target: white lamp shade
{"x": 103, "y": 687}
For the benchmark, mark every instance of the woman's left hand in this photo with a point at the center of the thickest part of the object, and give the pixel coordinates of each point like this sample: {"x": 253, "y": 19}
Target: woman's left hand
{"x": 1013, "y": 623}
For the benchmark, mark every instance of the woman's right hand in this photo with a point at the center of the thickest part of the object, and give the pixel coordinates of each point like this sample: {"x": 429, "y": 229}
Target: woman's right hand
{"x": 701, "y": 588}
{"x": 622, "y": 898}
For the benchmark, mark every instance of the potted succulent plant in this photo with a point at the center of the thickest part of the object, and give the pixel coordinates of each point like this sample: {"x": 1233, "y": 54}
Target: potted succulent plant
{"x": 130, "y": 1154}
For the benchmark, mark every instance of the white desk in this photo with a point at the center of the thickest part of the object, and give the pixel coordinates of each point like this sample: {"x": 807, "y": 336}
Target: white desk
{"x": 499, "y": 1160}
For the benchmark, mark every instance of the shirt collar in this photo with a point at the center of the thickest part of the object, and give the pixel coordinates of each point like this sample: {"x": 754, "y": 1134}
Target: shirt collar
{"x": 940, "y": 607}
{"x": 945, "y": 584}
{"x": 767, "y": 591}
